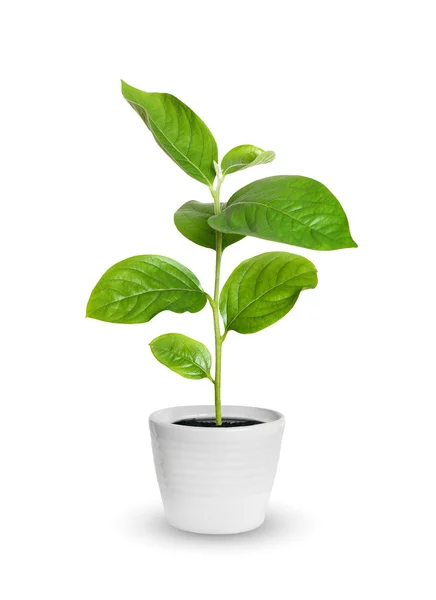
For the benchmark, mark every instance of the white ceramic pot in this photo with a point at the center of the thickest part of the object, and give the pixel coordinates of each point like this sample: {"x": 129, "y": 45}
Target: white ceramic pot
{"x": 216, "y": 480}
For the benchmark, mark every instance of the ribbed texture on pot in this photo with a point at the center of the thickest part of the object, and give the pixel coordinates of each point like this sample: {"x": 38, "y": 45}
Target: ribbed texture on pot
{"x": 216, "y": 467}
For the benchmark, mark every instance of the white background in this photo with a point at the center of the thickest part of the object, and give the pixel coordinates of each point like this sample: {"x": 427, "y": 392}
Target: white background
{"x": 343, "y": 92}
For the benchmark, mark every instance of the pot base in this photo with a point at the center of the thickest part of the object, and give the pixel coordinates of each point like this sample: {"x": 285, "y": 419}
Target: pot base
{"x": 225, "y": 517}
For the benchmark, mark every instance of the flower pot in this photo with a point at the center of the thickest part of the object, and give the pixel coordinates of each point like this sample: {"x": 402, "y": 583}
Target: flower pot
{"x": 216, "y": 479}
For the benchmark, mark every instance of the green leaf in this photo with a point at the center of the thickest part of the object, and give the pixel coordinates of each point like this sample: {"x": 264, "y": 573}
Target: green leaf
{"x": 182, "y": 354}
{"x": 245, "y": 156}
{"x": 191, "y": 220}
{"x": 290, "y": 209}
{"x": 138, "y": 288}
{"x": 263, "y": 289}
{"x": 178, "y": 131}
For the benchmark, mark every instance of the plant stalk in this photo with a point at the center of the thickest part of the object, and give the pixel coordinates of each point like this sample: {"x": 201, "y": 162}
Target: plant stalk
{"x": 215, "y": 305}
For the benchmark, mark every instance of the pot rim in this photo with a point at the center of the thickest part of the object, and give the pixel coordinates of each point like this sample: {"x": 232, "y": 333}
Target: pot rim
{"x": 165, "y": 417}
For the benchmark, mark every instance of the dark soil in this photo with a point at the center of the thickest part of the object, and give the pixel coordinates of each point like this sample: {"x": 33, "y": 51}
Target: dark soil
{"x": 211, "y": 422}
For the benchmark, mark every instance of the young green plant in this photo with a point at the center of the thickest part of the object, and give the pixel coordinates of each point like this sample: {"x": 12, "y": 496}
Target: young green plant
{"x": 289, "y": 209}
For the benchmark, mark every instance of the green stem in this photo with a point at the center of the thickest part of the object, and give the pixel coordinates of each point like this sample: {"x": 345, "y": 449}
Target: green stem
{"x": 215, "y": 305}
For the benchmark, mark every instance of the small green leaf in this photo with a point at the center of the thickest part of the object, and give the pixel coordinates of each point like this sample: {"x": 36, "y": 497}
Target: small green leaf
{"x": 263, "y": 289}
{"x": 245, "y": 156}
{"x": 191, "y": 220}
{"x": 178, "y": 131}
{"x": 138, "y": 288}
{"x": 290, "y": 209}
{"x": 182, "y": 354}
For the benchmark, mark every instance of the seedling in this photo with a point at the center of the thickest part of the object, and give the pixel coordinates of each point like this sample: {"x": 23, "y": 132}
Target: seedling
{"x": 289, "y": 209}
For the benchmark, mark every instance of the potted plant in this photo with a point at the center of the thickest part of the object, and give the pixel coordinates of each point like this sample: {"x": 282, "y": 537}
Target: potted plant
{"x": 216, "y": 464}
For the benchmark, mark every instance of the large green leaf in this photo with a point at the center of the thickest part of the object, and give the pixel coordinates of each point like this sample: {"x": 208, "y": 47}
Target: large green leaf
{"x": 245, "y": 156}
{"x": 182, "y": 354}
{"x": 290, "y": 209}
{"x": 178, "y": 131}
{"x": 191, "y": 220}
{"x": 263, "y": 289}
{"x": 138, "y": 288}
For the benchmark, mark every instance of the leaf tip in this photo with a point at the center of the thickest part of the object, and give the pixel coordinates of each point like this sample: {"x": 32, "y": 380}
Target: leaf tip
{"x": 127, "y": 90}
